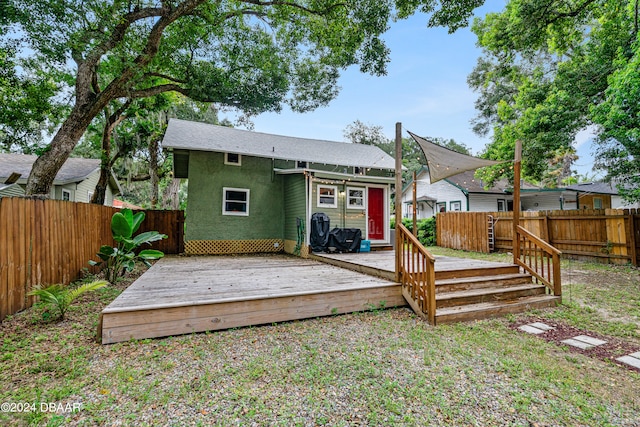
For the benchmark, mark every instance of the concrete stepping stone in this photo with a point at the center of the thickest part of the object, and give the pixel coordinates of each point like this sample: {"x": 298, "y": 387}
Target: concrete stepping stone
{"x": 631, "y": 360}
{"x": 535, "y": 328}
{"x": 583, "y": 342}
{"x": 542, "y": 326}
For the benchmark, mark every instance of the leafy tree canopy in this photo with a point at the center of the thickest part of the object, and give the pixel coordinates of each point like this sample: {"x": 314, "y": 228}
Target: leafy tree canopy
{"x": 412, "y": 156}
{"x": 252, "y": 55}
{"x": 547, "y": 69}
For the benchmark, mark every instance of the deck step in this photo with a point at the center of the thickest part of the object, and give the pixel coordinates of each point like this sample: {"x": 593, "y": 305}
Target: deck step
{"x": 486, "y": 281}
{"x": 478, "y": 271}
{"x": 485, "y": 310}
{"x": 474, "y": 296}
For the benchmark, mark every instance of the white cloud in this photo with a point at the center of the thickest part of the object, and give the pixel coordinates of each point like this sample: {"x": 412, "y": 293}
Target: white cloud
{"x": 586, "y": 135}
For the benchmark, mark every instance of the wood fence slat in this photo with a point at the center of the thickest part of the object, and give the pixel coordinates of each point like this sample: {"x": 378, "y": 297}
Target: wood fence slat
{"x": 30, "y": 230}
{"x": 13, "y": 258}
{"x": 21, "y": 238}
{"x": 4, "y": 267}
{"x": 51, "y": 241}
{"x": 587, "y": 233}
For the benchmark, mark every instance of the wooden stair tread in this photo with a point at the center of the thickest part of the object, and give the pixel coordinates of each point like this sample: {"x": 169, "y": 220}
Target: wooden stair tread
{"x": 494, "y": 308}
{"x": 486, "y": 291}
{"x": 473, "y": 279}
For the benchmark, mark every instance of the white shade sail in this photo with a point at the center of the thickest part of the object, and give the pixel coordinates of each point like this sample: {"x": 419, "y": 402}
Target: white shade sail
{"x": 443, "y": 162}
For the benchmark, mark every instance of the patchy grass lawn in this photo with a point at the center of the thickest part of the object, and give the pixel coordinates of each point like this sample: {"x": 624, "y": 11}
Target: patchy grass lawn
{"x": 383, "y": 367}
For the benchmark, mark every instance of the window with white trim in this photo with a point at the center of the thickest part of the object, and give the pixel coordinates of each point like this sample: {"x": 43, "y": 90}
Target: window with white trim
{"x": 66, "y": 195}
{"x": 597, "y": 203}
{"x": 355, "y": 198}
{"x": 455, "y": 206}
{"x": 232, "y": 159}
{"x": 327, "y": 196}
{"x": 235, "y": 201}
{"x": 502, "y": 205}
{"x": 441, "y": 207}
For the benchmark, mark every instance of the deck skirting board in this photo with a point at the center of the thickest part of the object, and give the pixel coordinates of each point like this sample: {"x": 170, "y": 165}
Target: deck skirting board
{"x": 161, "y": 322}
{"x": 226, "y": 247}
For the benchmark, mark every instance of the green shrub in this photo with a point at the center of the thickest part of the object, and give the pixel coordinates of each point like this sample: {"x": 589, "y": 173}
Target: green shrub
{"x": 61, "y": 297}
{"x": 426, "y": 229}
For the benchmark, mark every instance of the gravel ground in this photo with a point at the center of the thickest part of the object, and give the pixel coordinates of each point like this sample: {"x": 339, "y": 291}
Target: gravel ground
{"x": 378, "y": 368}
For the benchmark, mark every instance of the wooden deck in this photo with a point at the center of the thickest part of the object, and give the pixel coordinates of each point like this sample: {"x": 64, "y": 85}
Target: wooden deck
{"x": 382, "y": 264}
{"x": 181, "y": 295}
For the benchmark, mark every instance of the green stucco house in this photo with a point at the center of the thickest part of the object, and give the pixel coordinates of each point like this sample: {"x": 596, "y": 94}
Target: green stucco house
{"x": 256, "y": 192}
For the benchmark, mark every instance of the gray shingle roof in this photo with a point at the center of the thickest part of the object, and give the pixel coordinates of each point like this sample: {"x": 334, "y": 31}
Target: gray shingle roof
{"x": 73, "y": 170}
{"x": 186, "y": 135}
{"x": 594, "y": 187}
{"x": 468, "y": 181}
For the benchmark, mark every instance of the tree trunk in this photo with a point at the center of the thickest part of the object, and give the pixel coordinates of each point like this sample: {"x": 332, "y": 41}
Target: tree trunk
{"x": 46, "y": 167}
{"x": 153, "y": 171}
{"x": 99, "y": 194}
{"x": 170, "y": 197}
{"x": 111, "y": 121}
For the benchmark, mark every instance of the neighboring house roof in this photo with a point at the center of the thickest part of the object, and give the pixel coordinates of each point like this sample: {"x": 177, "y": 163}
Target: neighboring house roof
{"x": 594, "y": 187}
{"x": 186, "y": 135}
{"x": 117, "y": 203}
{"x": 467, "y": 182}
{"x": 73, "y": 170}
{"x": 11, "y": 189}
{"x": 423, "y": 199}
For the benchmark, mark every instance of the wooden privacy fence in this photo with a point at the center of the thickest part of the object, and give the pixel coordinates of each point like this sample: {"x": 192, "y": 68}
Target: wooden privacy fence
{"x": 607, "y": 235}
{"x": 51, "y": 241}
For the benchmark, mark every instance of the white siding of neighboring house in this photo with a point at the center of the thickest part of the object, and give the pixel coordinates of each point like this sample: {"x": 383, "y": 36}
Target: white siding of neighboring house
{"x": 618, "y": 203}
{"x": 79, "y": 192}
{"x": 87, "y": 186}
{"x": 486, "y": 202}
{"x": 547, "y": 202}
{"x": 443, "y": 191}
{"x": 108, "y": 197}
{"x": 13, "y": 190}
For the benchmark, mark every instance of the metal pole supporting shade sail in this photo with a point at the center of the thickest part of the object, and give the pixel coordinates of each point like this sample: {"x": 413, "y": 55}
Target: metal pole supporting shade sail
{"x": 443, "y": 162}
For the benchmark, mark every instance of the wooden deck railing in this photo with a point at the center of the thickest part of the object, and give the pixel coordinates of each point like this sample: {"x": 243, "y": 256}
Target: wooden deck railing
{"x": 416, "y": 273}
{"x": 539, "y": 259}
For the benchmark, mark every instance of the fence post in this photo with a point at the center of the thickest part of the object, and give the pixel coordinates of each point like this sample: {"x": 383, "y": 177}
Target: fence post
{"x": 631, "y": 238}
{"x": 616, "y": 234}
{"x": 398, "y": 198}
{"x": 516, "y": 199}
{"x": 180, "y": 231}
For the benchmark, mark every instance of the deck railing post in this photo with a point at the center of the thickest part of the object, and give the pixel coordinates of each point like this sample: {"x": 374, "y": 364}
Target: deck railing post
{"x": 516, "y": 199}
{"x": 398, "y": 197}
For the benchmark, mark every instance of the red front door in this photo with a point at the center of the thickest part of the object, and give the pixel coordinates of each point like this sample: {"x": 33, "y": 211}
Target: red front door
{"x": 375, "y": 213}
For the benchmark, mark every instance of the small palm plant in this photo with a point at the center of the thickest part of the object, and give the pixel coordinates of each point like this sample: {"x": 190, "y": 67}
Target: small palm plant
{"x": 61, "y": 297}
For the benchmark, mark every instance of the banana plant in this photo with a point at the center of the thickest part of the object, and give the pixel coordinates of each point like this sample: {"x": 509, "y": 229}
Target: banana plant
{"x": 122, "y": 258}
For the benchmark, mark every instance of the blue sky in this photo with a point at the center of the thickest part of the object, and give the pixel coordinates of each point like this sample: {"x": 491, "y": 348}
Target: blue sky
{"x": 425, "y": 89}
